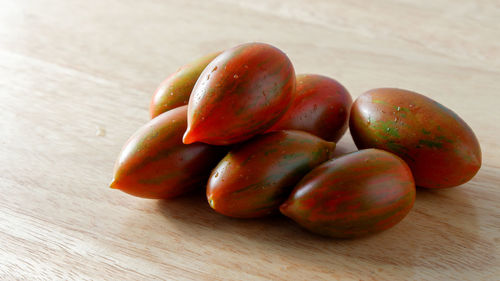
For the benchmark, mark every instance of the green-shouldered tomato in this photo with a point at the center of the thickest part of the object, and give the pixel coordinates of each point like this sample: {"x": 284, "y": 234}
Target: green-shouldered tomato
{"x": 357, "y": 194}
{"x": 241, "y": 93}
{"x": 321, "y": 107}
{"x": 440, "y": 148}
{"x": 175, "y": 90}
{"x": 154, "y": 163}
{"x": 257, "y": 176}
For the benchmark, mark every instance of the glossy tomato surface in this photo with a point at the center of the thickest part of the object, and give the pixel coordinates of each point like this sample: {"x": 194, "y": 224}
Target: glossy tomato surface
{"x": 321, "y": 107}
{"x": 176, "y": 89}
{"x": 154, "y": 163}
{"x": 241, "y": 93}
{"x": 440, "y": 148}
{"x": 356, "y": 194}
{"x": 257, "y": 176}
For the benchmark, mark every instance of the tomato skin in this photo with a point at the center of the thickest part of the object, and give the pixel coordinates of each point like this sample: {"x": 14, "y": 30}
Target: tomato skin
{"x": 154, "y": 163}
{"x": 257, "y": 176}
{"x": 357, "y": 194}
{"x": 440, "y": 148}
{"x": 176, "y": 89}
{"x": 321, "y": 107}
{"x": 241, "y": 93}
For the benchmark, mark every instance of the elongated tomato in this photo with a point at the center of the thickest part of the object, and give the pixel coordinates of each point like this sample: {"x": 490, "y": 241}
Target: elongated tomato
{"x": 440, "y": 148}
{"x": 321, "y": 107}
{"x": 354, "y": 195}
{"x": 240, "y": 94}
{"x": 154, "y": 163}
{"x": 256, "y": 177}
{"x": 176, "y": 89}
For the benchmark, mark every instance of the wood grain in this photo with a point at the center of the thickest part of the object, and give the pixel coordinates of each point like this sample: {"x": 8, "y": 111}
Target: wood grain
{"x": 75, "y": 81}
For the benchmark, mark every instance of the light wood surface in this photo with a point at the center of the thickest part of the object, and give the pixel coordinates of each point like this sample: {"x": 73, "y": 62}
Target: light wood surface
{"x": 75, "y": 82}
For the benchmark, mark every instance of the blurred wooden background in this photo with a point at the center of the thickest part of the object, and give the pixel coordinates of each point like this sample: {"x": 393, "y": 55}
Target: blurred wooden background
{"x": 75, "y": 82}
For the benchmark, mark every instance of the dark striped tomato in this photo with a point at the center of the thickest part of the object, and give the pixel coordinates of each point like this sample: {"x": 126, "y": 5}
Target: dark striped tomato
{"x": 356, "y": 194}
{"x": 321, "y": 107}
{"x": 175, "y": 90}
{"x": 154, "y": 163}
{"x": 440, "y": 148}
{"x": 241, "y": 93}
{"x": 256, "y": 177}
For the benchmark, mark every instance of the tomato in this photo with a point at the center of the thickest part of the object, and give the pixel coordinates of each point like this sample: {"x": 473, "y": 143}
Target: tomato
{"x": 321, "y": 107}
{"x": 154, "y": 163}
{"x": 354, "y": 195}
{"x": 175, "y": 90}
{"x": 440, "y": 148}
{"x": 240, "y": 94}
{"x": 257, "y": 176}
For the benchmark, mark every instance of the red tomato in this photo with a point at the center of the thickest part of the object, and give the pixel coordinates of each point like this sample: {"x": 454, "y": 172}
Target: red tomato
{"x": 440, "y": 148}
{"x": 356, "y": 194}
{"x": 257, "y": 176}
{"x": 154, "y": 163}
{"x": 241, "y": 93}
{"x": 321, "y": 107}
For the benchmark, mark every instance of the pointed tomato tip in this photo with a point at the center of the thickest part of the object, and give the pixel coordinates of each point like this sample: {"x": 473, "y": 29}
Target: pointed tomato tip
{"x": 211, "y": 202}
{"x": 283, "y": 208}
{"x": 188, "y": 137}
{"x": 113, "y": 184}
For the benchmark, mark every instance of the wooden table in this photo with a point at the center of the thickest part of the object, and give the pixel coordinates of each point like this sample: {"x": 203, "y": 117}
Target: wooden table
{"x": 75, "y": 82}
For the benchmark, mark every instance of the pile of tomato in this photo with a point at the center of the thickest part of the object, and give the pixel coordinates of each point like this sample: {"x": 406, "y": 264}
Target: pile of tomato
{"x": 260, "y": 139}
